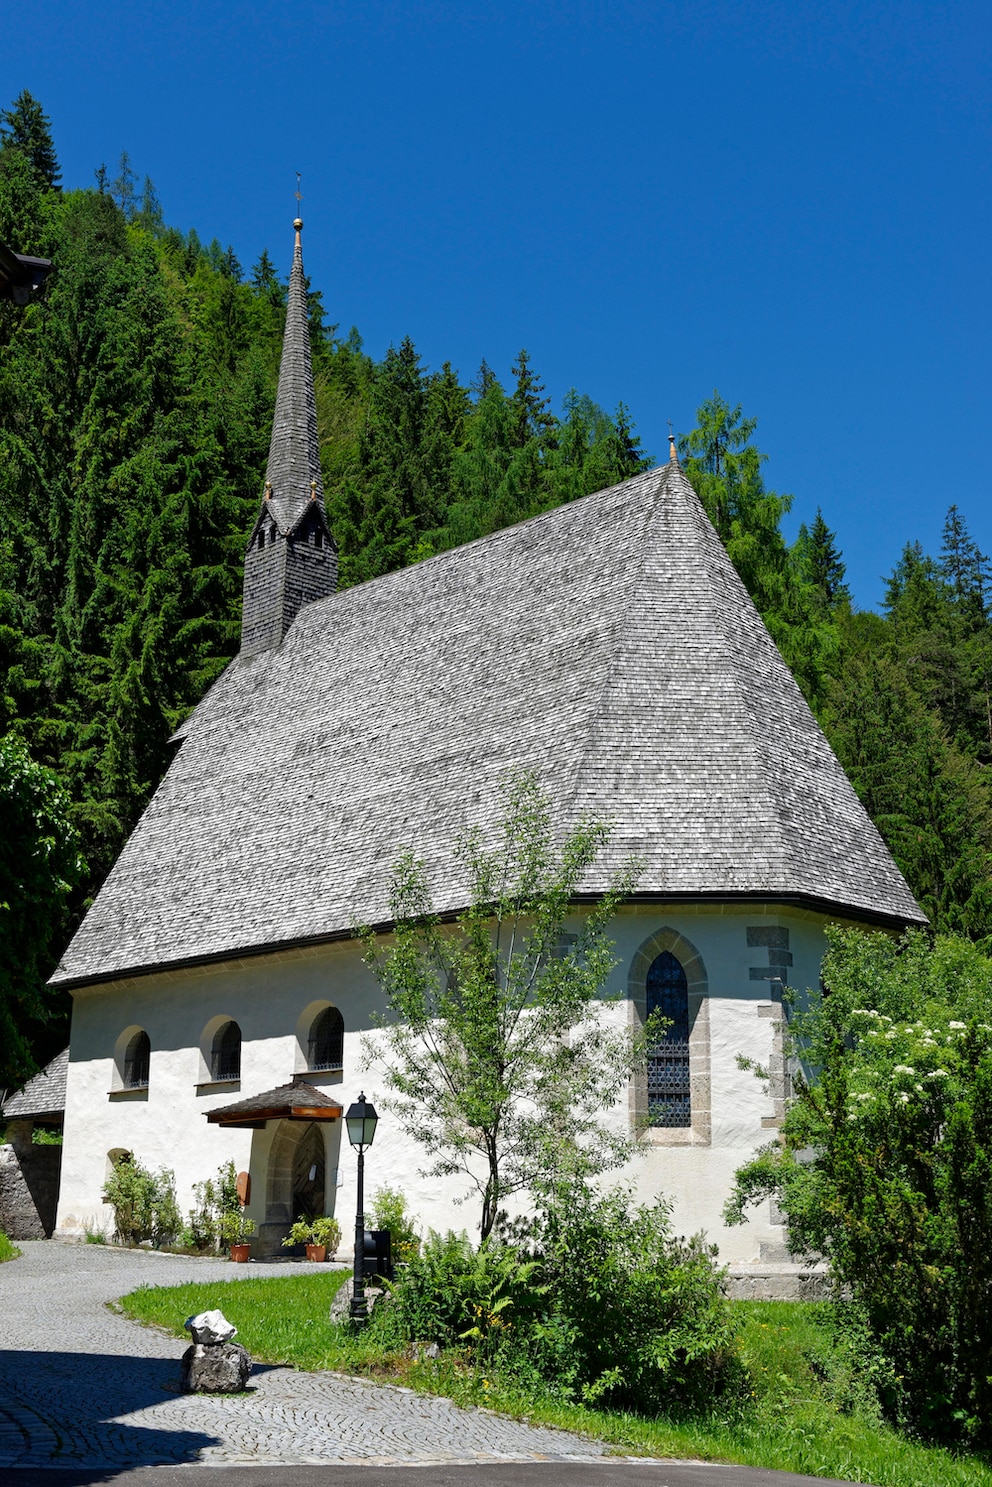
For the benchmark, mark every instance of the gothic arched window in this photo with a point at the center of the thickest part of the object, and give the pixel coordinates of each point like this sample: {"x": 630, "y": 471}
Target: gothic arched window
{"x": 137, "y": 1060}
{"x": 225, "y": 1052}
{"x": 325, "y": 1046}
{"x": 669, "y": 1101}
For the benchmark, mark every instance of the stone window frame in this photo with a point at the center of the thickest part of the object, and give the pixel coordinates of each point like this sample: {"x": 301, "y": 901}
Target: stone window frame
{"x": 699, "y": 1131}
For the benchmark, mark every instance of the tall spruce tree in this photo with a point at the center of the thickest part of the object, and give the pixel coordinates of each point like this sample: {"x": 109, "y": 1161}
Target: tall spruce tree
{"x": 27, "y": 129}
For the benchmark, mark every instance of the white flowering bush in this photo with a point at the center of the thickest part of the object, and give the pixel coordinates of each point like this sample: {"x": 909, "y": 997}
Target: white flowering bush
{"x": 884, "y": 1164}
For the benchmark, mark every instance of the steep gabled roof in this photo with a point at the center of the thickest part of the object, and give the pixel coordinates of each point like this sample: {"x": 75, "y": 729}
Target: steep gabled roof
{"x": 607, "y": 644}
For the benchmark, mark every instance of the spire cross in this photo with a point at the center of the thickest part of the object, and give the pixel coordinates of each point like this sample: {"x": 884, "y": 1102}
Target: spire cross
{"x": 298, "y": 222}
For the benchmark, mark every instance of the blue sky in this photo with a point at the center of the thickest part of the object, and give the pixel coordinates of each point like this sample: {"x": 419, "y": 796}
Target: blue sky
{"x": 786, "y": 201}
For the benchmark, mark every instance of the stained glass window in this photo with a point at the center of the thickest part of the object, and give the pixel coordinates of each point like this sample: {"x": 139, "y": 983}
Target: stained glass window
{"x": 669, "y": 1101}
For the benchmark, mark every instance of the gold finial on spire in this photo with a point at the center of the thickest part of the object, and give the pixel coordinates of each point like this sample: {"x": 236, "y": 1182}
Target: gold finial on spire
{"x": 298, "y": 220}
{"x": 313, "y": 490}
{"x": 672, "y": 455}
{"x": 268, "y": 490}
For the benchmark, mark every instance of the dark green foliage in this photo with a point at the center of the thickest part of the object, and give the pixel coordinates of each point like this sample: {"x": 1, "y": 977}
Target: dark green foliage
{"x": 136, "y": 403}
{"x": 885, "y": 1164}
{"x": 26, "y": 129}
{"x": 596, "y": 1301}
{"x": 39, "y": 866}
{"x": 136, "y": 398}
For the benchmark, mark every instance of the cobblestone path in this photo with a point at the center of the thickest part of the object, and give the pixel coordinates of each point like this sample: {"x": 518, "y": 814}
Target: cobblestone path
{"x": 81, "y": 1386}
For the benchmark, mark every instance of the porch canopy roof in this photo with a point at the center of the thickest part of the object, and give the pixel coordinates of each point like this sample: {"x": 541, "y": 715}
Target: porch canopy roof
{"x": 294, "y": 1101}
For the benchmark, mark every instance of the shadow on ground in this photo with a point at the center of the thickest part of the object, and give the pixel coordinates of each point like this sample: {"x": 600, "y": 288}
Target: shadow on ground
{"x": 63, "y": 1409}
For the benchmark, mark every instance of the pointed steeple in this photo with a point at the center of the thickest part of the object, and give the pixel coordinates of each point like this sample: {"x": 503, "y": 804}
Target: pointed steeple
{"x": 291, "y": 559}
{"x": 294, "y": 454}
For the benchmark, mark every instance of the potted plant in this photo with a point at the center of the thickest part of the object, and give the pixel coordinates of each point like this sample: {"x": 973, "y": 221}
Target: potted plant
{"x": 316, "y": 1235}
{"x": 236, "y": 1229}
{"x": 326, "y": 1234}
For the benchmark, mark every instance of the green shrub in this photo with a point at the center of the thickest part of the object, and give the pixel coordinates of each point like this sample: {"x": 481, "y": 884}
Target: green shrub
{"x": 596, "y": 1300}
{"x": 8, "y": 1251}
{"x": 643, "y": 1310}
{"x": 216, "y": 1200}
{"x": 389, "y": 1211}
{"x": 454, "y": 1294}
{"x": 144, "y": 1203}
{"x": 885, "y": 1165}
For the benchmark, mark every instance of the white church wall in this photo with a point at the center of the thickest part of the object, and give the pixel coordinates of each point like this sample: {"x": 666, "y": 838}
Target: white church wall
{"x": 273, "y": 999}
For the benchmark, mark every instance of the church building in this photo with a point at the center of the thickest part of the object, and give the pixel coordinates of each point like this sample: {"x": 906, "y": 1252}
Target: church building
{"x": 219, "y": 993}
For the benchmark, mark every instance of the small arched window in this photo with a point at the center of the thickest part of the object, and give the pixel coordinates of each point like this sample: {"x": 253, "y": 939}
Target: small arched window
{"x": 325, "y": 1046}
{"x": 669, "y": 1097}
{"x": 137, "y": 1060}
{"x": 225, "y": 1052}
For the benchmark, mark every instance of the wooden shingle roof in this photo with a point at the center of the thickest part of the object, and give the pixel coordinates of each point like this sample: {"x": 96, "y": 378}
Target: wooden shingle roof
{"x": 294, "y": 1101}
{"x": 607, "y": 644}
{"x": 43, "y": 1097}
{"x": 293, "y": 469}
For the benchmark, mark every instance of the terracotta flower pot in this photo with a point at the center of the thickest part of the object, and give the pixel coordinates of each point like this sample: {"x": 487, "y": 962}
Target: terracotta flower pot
{"x": 239, "y": 1253}
{"x": 316, "y": 1252}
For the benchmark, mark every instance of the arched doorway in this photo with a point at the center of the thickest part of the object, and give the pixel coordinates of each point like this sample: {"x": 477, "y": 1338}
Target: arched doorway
{"x": 309, "y": 1174}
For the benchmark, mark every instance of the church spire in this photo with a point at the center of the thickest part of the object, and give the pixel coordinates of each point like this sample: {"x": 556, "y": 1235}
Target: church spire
{"x": 291, "y": 559}
{"x": 294, "y": 454}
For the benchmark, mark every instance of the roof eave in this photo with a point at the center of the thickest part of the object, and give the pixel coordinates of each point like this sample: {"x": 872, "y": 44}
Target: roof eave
{"x": 828, "y": 908}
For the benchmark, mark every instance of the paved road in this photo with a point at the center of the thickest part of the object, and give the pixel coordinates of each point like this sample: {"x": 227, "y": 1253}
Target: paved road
{"x": 85, "y": 1389}
{"x": 502, "y": 1474}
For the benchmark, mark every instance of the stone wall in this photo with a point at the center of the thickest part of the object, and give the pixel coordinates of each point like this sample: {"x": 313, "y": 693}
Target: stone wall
{"x": 29, "y": 1185}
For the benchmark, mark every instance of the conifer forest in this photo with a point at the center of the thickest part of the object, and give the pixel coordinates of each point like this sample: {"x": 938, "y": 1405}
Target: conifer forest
{"x": 136, "y": 398}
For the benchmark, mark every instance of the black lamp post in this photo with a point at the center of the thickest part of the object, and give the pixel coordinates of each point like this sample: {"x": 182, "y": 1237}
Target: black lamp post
{"x": 361, "y": 1121}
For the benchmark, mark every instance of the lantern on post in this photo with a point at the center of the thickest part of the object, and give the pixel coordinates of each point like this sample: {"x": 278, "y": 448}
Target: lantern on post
{"x": 361, "y": 1121}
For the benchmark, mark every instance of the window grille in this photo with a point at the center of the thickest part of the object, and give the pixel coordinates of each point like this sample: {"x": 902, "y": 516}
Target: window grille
{"x": 325, "y": 1049}
{"x": 136, "y": 1062}
{"x": 669, "y": 1101}
{"x": 225, "y": 1055}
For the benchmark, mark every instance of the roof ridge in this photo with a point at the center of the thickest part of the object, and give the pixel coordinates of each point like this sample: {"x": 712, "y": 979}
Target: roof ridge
{"x": 616, "y": 624}
{"x": 727, "y": 638}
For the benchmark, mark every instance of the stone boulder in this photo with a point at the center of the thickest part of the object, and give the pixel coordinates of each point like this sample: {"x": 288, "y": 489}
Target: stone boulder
{"x": 215, "y": 1368}
{"x": 210, "y": 1327}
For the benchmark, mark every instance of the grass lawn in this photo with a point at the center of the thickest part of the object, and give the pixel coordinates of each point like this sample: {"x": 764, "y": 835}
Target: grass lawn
{"x": 798, "y": 1421}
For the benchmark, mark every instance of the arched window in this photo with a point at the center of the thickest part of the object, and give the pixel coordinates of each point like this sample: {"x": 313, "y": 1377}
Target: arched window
{"x": 225, "y": 1052}
{"x": 669, "y": 1101}
{"x": 325, "y": 1046}
{"x": 137, "y": 1058}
